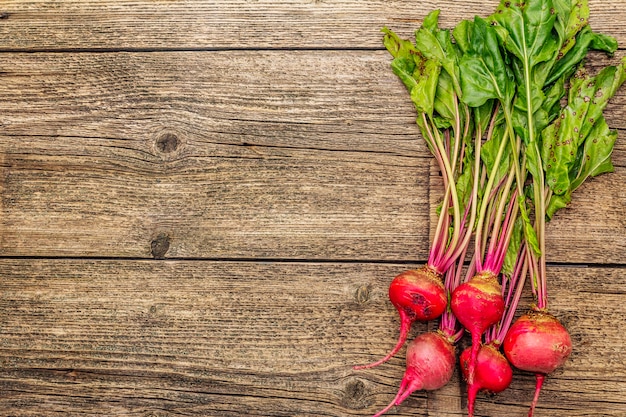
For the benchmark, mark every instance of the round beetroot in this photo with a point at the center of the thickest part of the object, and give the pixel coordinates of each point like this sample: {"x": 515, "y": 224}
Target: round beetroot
{"x": 429, "y": 366}
{"x": 477, "y": 305}
{"x": 492, "y": 373}
{"x": 418, "y": 295}
{"x": 537, "y": 342}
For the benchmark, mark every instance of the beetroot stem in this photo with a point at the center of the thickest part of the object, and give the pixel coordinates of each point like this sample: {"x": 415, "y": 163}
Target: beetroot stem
{"x": 483, "y": 207}
{"x": 516, "y": 283}
{"x": 507, "y": 228}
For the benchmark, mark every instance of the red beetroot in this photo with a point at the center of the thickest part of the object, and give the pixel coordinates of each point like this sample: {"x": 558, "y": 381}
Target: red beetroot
{"x": 537, "y": 342}
{"x": 492, "y": 373}
{"x": 477, "y": 305}
{"x": 418, "y": 295}
{"x": 429, "y": 366}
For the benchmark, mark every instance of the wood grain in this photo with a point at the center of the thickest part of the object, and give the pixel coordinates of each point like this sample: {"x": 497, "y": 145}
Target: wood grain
{"x": 111, "y": 24}
{"x": 267, "y": 158}
{"x": 262, "y": 339}
{"x": 226, "y": 155}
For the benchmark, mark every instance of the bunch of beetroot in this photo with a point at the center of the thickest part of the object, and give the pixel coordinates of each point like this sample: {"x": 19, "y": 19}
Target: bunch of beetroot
{"x": 515, "y": 124}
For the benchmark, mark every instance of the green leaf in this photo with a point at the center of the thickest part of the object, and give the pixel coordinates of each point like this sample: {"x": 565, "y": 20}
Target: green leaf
{"x": 572, "y": 17}
{"x": 529, "y": 232}
{"x": 586, "y": 40}
{"x": 445, "y": 98}
{"x": 404, "y": 67}
{"x": 556, "y": 203}
{"x": 512, "y": 252}
{"x": 604, "y": 43}
{"x": 484, "y": 74}
{"x": 398, "y": 48}
{"x": 587, "y": 99}
{"x": 533, "y": 160}
{"x": 436, "y": 44}
{"x": 423, "y": 93}
{"x": 483, "y": 115}
{"x": 580, "y": 123}
{"x": 489, "y": 152}
{"x": 596, "y": 155}
{"x": 431, "y": 21}
{"x": 464, "y": 184}
{"x": 462, "y": 34}
{"x": 529, "y": 27}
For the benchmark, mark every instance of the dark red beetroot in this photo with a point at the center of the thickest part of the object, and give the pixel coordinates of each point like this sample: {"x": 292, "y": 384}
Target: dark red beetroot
{"x": 492, "y": 373}
{"x": 429, "y": 366}
{"x": 477, "y": 305}
{"x": 537, "y": 342}
{"x": 418, "y": 295}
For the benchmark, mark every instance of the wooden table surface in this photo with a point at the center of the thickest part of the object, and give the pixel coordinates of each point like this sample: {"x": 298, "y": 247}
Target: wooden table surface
{"x": 202, "y": 204}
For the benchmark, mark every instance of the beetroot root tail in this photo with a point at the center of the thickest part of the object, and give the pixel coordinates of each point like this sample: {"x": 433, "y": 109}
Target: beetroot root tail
{"x": 472, "y": 391}
{"x": 393, "y": 402}
{"x": 539, "y": 378}
{"x": 404, "y": 333}
{"x": 471, "y": 368}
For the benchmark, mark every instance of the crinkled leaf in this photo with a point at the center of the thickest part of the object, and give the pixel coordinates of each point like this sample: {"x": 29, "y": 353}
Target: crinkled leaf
{"x": 596, "y": 155}
{"x": 441, "y": 123}
{"x": 436, "y": 44}
{"x": 585, "y": 40}
{"x": 604, "y": 43}
{"x": 556, "y": 203}
{"x": 423, "y": 93}
{"x": 587, "y": 100}
{"x": 397, "y": 47}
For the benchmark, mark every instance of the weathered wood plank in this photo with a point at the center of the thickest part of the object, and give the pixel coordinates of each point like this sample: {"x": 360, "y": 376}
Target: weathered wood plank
{"x": 348, "y": 100}
{"x": 331, "y": 100}
{"x": 77, "y": 197}
{"x": 113, "y": 24}
{"x": 226, "y": 156}
{"x": 262, "y": 339}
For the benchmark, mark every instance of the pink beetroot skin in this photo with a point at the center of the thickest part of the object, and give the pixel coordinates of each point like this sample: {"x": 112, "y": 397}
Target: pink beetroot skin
{"x": 418, "y": 295}
{"x": 537, "y": 342}
{"x": 477, "y": 305}
{"x": 429, "y": 366}
{"x": 492, "y": 373}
